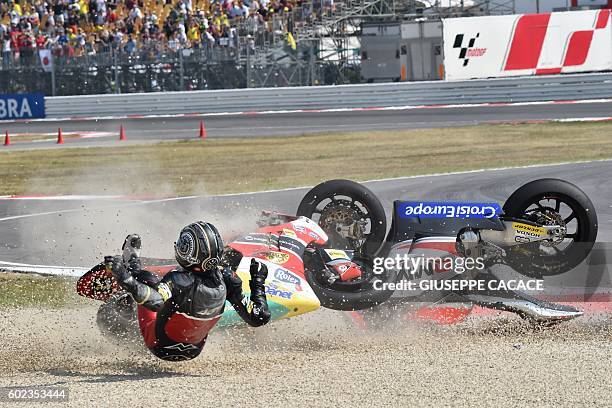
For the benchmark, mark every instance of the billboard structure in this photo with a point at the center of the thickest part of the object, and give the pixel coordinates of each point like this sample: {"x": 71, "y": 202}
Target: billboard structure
{"x": 527, "y": 44}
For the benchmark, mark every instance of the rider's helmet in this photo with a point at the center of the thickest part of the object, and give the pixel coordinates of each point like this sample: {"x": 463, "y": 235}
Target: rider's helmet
{"x": 199, "y": 247}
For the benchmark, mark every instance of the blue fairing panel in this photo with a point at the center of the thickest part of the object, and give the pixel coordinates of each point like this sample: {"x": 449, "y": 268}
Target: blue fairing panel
{"x": 404, "y": 228}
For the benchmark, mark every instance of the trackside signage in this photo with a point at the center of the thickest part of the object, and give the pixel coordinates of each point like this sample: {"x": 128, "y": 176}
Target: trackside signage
{"x": 527, "y": 44}
{"x": 22, "y": 106}
{"x": 410, "y": 209}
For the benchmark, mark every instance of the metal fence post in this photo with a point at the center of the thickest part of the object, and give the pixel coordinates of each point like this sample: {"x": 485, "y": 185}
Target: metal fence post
{"x": 311, "y": 63}
{"x": 181, "y": 71}
{"x": 248, "y": 64}
{"x": 116, "y": 63}
{"x": 53, "y": 79}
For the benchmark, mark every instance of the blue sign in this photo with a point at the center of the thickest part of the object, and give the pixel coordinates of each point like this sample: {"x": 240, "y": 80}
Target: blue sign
{"x": 22, "y": 106}
{"x": 410, "y": 209}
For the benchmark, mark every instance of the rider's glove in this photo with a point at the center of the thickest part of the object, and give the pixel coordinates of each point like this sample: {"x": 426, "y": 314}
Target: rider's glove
{"x": 133, "y": 265}
{"x": 118, "y": 269}
{"x": 131, "y": 251}
{"x": 259, "y": 273}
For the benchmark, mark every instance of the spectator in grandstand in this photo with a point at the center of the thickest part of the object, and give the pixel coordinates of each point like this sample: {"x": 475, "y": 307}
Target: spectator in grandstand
{"x": 6, "y": 51}
{"x": 130, "y": 45}
{"x": 77, "y": 27}
{"x": 135, "y": 14}
{"x": 174, "y": 44}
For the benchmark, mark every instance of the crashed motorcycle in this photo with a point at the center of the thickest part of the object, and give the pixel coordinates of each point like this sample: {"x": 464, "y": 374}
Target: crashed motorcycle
{"x": 545, "y": 229}
{"x": 329, "y": 253}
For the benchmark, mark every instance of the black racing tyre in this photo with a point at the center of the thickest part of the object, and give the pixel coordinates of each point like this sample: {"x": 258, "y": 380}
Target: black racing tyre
{"x": 346, "y": 202}
{"x": 344, "y": 199}
{"x": 351, "y": 296}
{"x": 563, "y": 203}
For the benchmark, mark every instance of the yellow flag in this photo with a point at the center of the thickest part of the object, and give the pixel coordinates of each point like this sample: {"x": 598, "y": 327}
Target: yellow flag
{"x": 291, "y": 41}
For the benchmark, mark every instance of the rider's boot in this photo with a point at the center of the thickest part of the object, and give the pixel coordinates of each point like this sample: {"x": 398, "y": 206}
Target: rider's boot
{"x": 524, "y": 305}
{"x": 131, "y": 253}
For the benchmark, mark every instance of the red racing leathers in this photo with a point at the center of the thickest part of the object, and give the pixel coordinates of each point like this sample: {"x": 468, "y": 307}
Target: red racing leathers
{"x": 176, "y": 312}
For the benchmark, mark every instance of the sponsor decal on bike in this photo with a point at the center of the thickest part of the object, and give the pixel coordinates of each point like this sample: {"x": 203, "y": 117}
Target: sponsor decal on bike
{"x": 257, "y": 237}
{"x": 291, "y": 245}
{"x": 278, "y": 258}
{"x": 289, "y": 233}
{"x": 346, "y": 269}
{"x": 411, "y": 209}
{"x": 284, "y": 275}
{"x": 313, "y": 236}
{"x": 337, "y": 254}
{"x": 527, "y": 233}
{"x": 299, "y": 228}
{"x": 273, "y": 290}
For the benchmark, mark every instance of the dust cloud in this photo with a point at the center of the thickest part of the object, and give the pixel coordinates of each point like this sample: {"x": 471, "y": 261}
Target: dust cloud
{"x": 83, "y": 235}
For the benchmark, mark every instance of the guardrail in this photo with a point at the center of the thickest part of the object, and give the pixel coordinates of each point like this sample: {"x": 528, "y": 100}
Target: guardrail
{"x": 524, "y": 89}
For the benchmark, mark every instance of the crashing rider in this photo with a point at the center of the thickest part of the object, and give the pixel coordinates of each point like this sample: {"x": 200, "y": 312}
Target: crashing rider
{"x": 177, "y": 311}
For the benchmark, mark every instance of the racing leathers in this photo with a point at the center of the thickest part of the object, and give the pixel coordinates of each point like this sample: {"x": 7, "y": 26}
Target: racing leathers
{"x": 176, "y": 312}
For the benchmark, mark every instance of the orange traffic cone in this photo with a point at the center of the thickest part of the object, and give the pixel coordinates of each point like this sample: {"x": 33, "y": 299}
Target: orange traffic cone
{"x": 122, "y": 134}
{"x": 7, "y": 139}
{"x": 202, "y": 130}
{"x": 60, "y": 137}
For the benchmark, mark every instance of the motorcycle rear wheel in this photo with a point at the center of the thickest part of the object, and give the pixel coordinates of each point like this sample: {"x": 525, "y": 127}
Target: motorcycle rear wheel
{"x": 570, "y": 206}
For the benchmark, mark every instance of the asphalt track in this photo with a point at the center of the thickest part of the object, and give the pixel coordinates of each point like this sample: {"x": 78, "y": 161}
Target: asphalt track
{"x": 78, "y": 232}
{"x": 291, "y": 124}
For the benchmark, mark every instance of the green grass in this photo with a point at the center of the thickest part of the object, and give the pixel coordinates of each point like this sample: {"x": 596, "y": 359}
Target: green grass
{"x": 33, "y": 290}
{"x": 250, "y": 164}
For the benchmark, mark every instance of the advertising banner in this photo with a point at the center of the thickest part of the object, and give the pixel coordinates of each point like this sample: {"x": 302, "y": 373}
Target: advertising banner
{"x": 527, "y": 44}
{"x": 22, "y": 106}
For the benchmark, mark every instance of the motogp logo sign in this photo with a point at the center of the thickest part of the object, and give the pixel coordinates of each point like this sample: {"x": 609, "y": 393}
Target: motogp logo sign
{"x": 448, "y": 210}
{"x": 468, "y": 50}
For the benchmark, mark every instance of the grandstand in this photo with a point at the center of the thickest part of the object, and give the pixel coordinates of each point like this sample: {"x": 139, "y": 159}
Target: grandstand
{"x": 77, "y": 27}
{"x": 108, "y": 46}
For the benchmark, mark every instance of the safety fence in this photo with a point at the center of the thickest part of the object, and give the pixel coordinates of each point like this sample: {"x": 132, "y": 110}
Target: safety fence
{"x": 524, "y": 89}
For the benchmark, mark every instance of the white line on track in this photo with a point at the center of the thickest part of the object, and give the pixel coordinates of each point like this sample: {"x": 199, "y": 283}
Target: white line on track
{"x": 330, "y": 110}
{"x": 43, "y": 269}
{"x": 65, "y": 197}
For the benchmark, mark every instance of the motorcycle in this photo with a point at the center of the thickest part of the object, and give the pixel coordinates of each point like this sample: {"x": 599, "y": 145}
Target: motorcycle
{"x": 546, "y": 228}
{"x": 329, "y": 253}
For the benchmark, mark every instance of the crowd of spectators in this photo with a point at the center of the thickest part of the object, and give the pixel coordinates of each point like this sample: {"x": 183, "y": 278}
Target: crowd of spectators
{"x": 77, "y": 27}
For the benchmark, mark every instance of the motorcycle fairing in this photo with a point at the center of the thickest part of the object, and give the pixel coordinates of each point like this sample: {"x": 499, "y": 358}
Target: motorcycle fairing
{"x": 404, "y": 228}
{"x": 287, "y": 293}
{"x": 281, "y": 248}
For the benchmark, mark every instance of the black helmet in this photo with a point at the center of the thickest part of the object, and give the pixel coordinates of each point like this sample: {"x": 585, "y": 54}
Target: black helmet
{"x": 199, "y": 247}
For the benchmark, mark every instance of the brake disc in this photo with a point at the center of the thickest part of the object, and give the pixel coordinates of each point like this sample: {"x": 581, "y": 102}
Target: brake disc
{"x": 345, "y": 219}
